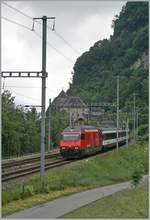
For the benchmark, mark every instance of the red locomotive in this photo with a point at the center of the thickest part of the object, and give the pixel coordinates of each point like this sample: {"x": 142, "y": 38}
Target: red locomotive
{"x": 84, "y": 140}
{"x": 80, "y": 141}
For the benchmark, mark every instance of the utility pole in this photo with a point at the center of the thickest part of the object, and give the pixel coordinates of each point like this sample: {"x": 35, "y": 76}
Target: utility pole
{"x": 44, "y": 74}
{"x": 49, "y": 126}
{"x": 137, "y": 125}
{"x": 127, "y": 130}
{"x": 0, "y": 88}
{"x": 117, "y": 144}
{"x": 134, "y": 135}
{"x": 70, "y": 120}
{"x": 44, "y": 19}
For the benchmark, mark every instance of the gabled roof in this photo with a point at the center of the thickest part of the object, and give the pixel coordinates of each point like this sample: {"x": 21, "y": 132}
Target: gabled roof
{"x": 62, "y": 94}
{"x": 60, "y": 99}
{"x": 74, "y": 102}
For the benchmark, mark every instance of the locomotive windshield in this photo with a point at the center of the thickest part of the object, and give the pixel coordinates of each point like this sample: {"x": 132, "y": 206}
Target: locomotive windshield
{"x": 71, "y": 137}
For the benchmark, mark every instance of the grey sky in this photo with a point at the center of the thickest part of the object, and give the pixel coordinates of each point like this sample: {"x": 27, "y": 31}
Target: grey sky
{"x": 81, "y": 23}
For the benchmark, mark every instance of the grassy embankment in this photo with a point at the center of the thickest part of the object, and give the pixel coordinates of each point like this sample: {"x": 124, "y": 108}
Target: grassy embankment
{"x": 110, "y": 169}
{"x": 131, "y": 203}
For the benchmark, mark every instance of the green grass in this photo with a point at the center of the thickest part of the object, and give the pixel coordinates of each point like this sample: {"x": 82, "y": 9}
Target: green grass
{"x": 127, "y": 204}
{"x": 113, "y": 168}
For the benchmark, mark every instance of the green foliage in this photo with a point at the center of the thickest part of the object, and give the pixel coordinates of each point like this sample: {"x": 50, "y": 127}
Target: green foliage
{"x": 140, "y": 42}
{"x": 136, "y": 177}
{"x": 26, "y": 191}
{"x": 132, "y": 17}
{"x": 94, "y": 72}
{"x": 20, "y": 128}
{"x": 143, "y": 129}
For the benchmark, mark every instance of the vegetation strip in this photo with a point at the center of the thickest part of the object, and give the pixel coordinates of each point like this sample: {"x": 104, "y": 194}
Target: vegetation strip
{"x": 114, "y": 167}
{"x": 131, "y": 203}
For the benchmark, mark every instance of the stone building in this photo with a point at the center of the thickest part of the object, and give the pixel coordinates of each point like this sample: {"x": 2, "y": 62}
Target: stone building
{"x": 59, "y": 101}
{"x": 77, "y": 109}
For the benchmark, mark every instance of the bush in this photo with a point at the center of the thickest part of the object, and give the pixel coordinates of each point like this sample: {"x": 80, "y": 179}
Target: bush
{"x": 136, "y": 177}
{"x": 26, "y": 191}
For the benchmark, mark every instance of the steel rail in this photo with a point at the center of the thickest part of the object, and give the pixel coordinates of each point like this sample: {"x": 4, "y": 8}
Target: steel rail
{"x": 32, "y": 169}
{"x": 36, "y": 168}
{"x": 26, "y": 160}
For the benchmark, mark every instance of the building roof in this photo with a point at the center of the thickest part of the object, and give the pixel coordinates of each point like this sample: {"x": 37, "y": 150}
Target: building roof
{"x": 60, "y": 99}
{"x": 74, "y": 102}
{"x": 62, "y": 94}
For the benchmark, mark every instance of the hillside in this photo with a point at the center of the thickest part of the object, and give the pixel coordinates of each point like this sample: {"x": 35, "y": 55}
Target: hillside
{"x": 125, "y": 53}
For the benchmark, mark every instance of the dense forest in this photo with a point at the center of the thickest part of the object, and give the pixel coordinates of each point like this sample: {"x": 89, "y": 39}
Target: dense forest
{"x": 125, "y": 54}
{"x": 20, "y": 128}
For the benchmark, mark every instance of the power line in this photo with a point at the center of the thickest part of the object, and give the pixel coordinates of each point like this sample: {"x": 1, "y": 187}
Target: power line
{"x": 28, "y": 97}
{"x": 26, "y": 87}
{"x": 57, "y": 34}
{"x": 16, "y": 23}
{"x": 23, "y": 87}
{"x": 50, "y": 45}
{"x": 36, "y": 33}
{"x": 10, "y": 6}
{"x": 77, "y": 52}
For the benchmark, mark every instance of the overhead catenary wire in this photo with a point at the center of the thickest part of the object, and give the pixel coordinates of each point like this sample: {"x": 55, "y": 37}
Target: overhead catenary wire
{"x": 27, "y": 97}
{"x": 30, "y": 29}
{"x": 16, "y": 23}
{"x": 52, "y": 29}
{"x": 50, "y": 45}
{"x": 26, "y": 87}
{"x": 36, "y": 33}
{"x": 62, "y": 38}
{"x": 76, "y": 51}
{"x": 10, "y": 6}
{"x": 23, "y": 87}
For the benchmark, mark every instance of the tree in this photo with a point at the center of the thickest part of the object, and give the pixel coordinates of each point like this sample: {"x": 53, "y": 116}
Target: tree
{"x": 20, "y": 129}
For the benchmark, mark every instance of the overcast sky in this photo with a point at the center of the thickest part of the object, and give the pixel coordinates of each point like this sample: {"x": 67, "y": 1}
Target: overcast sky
{"x": 80, "y": 23}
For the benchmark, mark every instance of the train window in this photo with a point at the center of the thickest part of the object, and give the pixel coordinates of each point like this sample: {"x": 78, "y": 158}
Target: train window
{"x": 71, "y": 137}
{"x": 109, "y": 136}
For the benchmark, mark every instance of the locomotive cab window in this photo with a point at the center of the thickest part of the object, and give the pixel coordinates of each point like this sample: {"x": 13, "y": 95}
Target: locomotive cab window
{"x": 71, "y": 137}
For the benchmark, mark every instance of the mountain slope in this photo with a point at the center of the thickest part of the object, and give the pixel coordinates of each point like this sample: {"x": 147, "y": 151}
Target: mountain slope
{"x": 125, "y": 53}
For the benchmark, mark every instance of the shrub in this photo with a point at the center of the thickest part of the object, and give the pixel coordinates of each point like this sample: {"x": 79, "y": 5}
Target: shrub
{"x": 136, "y": 177}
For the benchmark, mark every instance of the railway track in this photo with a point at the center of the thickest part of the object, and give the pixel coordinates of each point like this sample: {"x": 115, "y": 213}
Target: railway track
{"x": 20, "y": 162}
{"x": 10, "y": 175}
{"x": 28, "y": 166}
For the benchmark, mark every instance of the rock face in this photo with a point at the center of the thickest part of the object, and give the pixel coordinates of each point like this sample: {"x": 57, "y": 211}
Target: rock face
{"x": 143, "y": 60}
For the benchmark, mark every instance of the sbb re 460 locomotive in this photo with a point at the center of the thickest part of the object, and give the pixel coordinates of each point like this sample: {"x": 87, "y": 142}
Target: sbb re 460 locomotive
{"x": 85, "y": 140}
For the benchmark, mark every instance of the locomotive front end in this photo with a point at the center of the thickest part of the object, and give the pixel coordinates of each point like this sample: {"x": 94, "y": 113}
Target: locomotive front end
{"x": 70, "y": 144}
